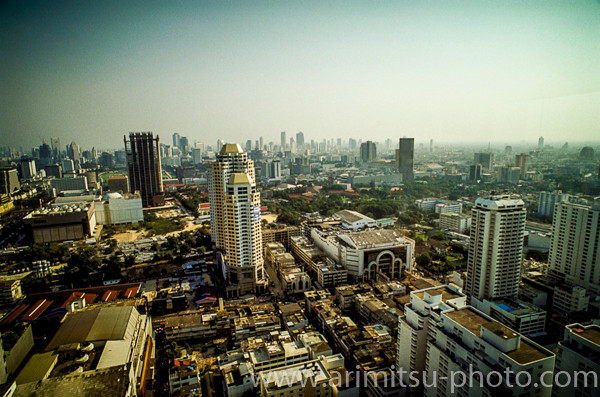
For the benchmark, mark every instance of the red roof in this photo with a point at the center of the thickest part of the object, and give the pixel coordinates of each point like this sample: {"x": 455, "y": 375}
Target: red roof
{"x": 109, "y": 295}
{"x": 131, "y": 292}
{"x": 36, "y": 310}
{"x": 204, "y": 206}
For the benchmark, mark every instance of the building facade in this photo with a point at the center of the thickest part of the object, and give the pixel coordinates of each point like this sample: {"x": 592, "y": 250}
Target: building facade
{"x": 235, "y": 220}
{"x": 496, "y": 247}
{"x": 574, "y": 255}
{"x": 405, "y": 158}
{"x": 144, "y": 167}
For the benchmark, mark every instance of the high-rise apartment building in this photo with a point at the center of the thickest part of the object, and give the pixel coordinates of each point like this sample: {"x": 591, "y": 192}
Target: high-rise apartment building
{"x": 283, "y": 141}
{"x": 235, "y": 220}
{"x": 144, "y": 167}
{"x": 440, "y": 338}
{"x": 574, "y": 255}
{"x": 405, "y": 158}
{"x": 495, "y": 247}
{"x": 368, "y": 151}
{"x": 547, "y": 201}
{"x": 577, "y": 356}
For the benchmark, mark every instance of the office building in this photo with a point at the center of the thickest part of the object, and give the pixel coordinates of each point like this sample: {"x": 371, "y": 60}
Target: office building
{"x": 455, "y": 222}
{"x": 54, "y": 170}
{"x": 579, "y": 351}
{"x": 574, "y": 255}
{"x": 405, "y": 158}
{"x": 521, "y": 162}
{"x": 27, "y": 168}
{"x": 541, "y": 142}
{"x": 66, "y": 184}
{"x": 119, "y": 184}
{"x": 144, "y": 167}
{"x": 271, "y": 170}
{"x": 496, "y": 247}
{"x": 283, "y": 141}
{"x": 176, "y": 138}
{"x": 300, "y": 140}
{"x": 74, "y": 152}
{"x": 235, "y": 220}
{"x": 9, "y": 180}
{"x": 475, "y": 172}
{"x": 368, "y": 151}
{"x": 485, "y": 159}
{"x": 547, "y": 201}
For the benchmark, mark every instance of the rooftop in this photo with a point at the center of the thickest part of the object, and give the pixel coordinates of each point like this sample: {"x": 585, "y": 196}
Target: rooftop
{"x": 230, "y": 148}
{"x": 351, "y": 216}
{"x": 445, "y": 291}
{"x": 372, "y": 238}
{"x": 591, "y": 332}
{"x": 240, "y": 179}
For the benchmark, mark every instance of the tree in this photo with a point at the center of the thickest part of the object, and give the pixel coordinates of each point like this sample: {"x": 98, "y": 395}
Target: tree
{"x": 423, "y": 260}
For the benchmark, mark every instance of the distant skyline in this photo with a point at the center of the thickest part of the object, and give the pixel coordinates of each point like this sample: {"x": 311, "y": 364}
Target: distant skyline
{"x": 92, "y": 71}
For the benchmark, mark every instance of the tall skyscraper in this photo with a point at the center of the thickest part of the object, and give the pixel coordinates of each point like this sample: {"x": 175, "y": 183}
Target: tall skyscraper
{"x": 283, "y": 141}
{"x": 56, "y": 149}
{"x": 495, "y": 247}
{"x": 9, "y": 180}
{"x": 176, "y": 138}
{"x": 27, "y": 167}
{"x": 144, "y": 167}
{"x": 368, "y": 151}
{"x": 235, "y": 220}
{"x": 74, "y": 152}
{"x": 574, "y": 255}
{"x": 541, "y": 142}
{"x": 521, "y": 162}
{"x": 485, "y": 159}
{"x": 405, "y": 158}
{"x": 300, "y": 140}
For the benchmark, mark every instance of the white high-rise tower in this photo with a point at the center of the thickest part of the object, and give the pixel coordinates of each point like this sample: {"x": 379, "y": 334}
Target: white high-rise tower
{"x": 495, "y": 247}
{"x": 235, "y": 220}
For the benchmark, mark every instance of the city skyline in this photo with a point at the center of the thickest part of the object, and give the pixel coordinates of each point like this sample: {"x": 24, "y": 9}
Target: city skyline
{"x": 93, "y": 72}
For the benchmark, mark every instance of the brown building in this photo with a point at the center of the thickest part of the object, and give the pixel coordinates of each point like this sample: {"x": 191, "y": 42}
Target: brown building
{"x": 144, "y": 167}
{"x": 119, "y": 184}
{"x": 67, "y": 222}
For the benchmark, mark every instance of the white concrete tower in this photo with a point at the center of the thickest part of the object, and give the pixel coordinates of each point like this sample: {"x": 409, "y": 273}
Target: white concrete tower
{"x": 495, "y": 247}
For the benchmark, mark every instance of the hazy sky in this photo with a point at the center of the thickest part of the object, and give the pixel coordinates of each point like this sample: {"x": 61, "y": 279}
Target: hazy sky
{"x": 92, "y": 70}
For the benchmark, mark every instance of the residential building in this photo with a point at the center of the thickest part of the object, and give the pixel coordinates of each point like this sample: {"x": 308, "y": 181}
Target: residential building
{"x": 547, "y": 201}
{"x": 574, "y": 255}
{"x": 578, "y": 357}
{"x": 144, "y": 167}
{"x": 420, "y": 314}
{"x": 496, "y": 247}
{"x": 469, "y": 342}
{"x": 455, "y": 222}
{"x": 525, "y": 318}
{"x": 521, "y": 162}
{"x": 235, "y": 220}
{"x": 405, "y": 156}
